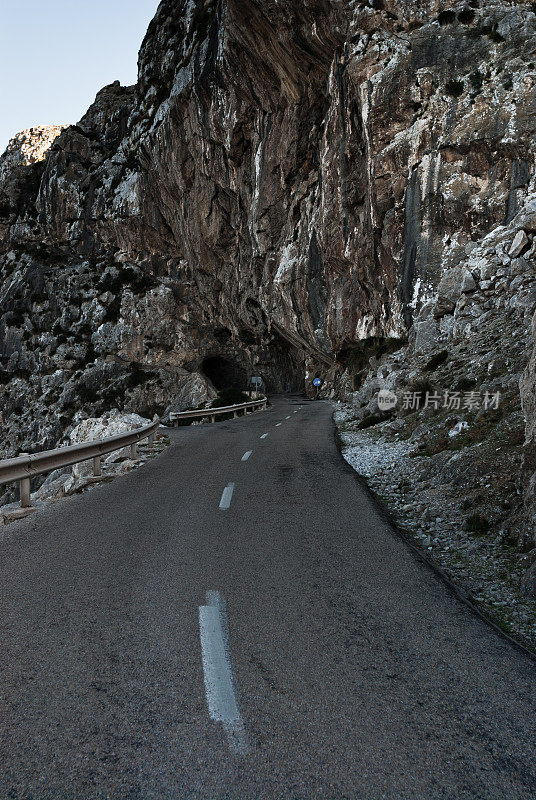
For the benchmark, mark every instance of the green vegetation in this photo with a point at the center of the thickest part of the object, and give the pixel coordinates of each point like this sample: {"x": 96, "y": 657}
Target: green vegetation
{"x": 487, "y": 30}
{"x": 137, "y": 376}
{"x": 476, "y": 80}
{"x": 466, "y": 16}
{"x": 229, "y": 397}
{"x": 421, "y": 386}
{"x": 356, "y": 358}
{"x": 446, "y": 17}
{"x": 465, "y": 384}
{"x": 136, "y": 280}
{"x": 373, "y": 419}
{"x": 454, "y": 88}
{"x": 247, "y": 337}
{"x": 436, "y": 360}
{"x": 113, "y": 310}
{"x": 476, "y": 523}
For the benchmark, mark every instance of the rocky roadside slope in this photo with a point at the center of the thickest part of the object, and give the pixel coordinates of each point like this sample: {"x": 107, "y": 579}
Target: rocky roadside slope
{"x": 438, "y": 426}
{"x": 67, "y": 481}
{"x": 457, "y": 524}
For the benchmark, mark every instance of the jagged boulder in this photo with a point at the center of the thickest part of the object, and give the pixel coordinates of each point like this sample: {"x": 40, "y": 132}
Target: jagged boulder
{"x": 112, "y": 424}
{"x": 453, "y": 284}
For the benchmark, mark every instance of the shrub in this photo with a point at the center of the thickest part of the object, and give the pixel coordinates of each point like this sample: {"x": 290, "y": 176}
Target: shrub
{"x": 476, "y": 78}
{"x": 87, "y": 394}
{"x": 421, "y": 386}
{"x": 465, "y": 384}
{"x": 90, "y": 356}
{"x": 466, "y": 16}
{"x": 446, "y": 17}
{"x": 495, "y": 36}
{"x": 373, "y": 419}
{"x": 136, "y": 377}
{"x": 113, "y": 311}
{"x": 247, "y": 337}
{"x": 355, "y": 358}
{"x": 454, "y": 88}
{"x": 436, "y": 360}
{"x": 229, "y": 397}
{"x": 139, "y": 281}
{"x": 476, "y": 523}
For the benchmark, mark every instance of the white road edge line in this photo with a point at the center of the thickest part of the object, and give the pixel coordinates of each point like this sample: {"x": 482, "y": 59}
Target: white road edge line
{"x": 264, "y": 435}
{"x": 247, "y": 455}
{"x": 217, "y": 672}
{"x": 226, "y": 497}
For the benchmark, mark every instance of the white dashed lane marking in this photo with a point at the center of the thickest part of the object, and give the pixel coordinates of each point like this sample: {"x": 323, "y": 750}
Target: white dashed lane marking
{"x": 264, "y": 435}
{"x": 247, "y": 455}
{"x": 226, "y": 497}
{"x": 288, "y": 417}
{"x": 217, "y": 671}
{"x": 278, "y": 424}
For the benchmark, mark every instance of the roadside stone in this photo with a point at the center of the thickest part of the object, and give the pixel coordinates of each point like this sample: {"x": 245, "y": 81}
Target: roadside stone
{"x": 14, "y": 513}
{"x": 453, "y": 284}
{"x": 521, "y": 241}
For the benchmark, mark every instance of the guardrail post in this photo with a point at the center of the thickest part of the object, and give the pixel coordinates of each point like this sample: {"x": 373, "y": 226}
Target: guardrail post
{"x": 213, "y": 418}
{"x": 133, "y": 450}
{"x": 97, "y": 469}
{"x": 25, "y": 493}
{"x": 151, "y": 440}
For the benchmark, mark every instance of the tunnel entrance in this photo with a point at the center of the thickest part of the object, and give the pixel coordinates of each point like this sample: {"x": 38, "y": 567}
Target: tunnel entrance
{"x": 224, "y": 374}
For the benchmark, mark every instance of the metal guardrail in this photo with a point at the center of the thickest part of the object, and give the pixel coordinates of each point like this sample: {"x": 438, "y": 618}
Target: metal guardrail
{"x": 176, "y": 416}
{"x": 26, "y": 466}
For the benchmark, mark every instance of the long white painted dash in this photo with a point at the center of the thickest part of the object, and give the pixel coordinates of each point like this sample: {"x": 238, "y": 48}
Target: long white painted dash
{"x": 288, "y": 417}
{"x": 226, "y": 497}
{"x": 218, "y": 675}
{"x": 278, "y": 424}
{"x": 247, "y": 455}
{"x": 264, "y": 435}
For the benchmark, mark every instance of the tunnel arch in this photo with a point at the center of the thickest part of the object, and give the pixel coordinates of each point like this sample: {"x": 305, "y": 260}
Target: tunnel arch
{"x": 224, "y": 373}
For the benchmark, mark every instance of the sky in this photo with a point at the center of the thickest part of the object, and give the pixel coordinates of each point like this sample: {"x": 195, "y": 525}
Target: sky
{"x": 55, "y": 55}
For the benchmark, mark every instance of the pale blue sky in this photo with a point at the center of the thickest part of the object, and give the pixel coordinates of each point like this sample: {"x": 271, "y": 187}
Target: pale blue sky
{"x": 55, "y": 55}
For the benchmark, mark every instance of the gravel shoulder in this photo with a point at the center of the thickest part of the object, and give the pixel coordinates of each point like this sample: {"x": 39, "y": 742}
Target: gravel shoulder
{"x": 429, "y": 510}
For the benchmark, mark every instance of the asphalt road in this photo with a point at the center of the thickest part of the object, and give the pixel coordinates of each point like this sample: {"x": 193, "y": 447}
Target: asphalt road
{"x": 356, "y": 673}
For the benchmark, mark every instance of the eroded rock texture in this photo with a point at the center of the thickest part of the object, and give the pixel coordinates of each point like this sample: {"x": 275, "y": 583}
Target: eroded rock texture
{"x": 285, "y": 182}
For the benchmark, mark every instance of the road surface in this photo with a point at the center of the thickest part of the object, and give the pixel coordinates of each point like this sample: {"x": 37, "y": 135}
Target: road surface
{"x": 236, "y": 620}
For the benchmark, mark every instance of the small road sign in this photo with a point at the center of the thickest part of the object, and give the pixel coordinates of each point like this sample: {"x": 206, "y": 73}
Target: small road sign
{"x": 317, "y": 382}
{"x": 256, "y": 380}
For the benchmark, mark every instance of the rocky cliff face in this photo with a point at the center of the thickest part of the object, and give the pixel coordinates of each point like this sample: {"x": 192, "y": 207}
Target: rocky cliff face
{"x": 288, "y": 190}
{"x": 29, "y": 147}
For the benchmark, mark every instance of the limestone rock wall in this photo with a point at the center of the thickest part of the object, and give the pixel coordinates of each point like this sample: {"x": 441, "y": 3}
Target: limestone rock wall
{"x": 29, "y": 147}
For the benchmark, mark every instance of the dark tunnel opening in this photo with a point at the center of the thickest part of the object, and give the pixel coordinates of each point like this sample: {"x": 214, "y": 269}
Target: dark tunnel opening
{"x": 224, "y": 374}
